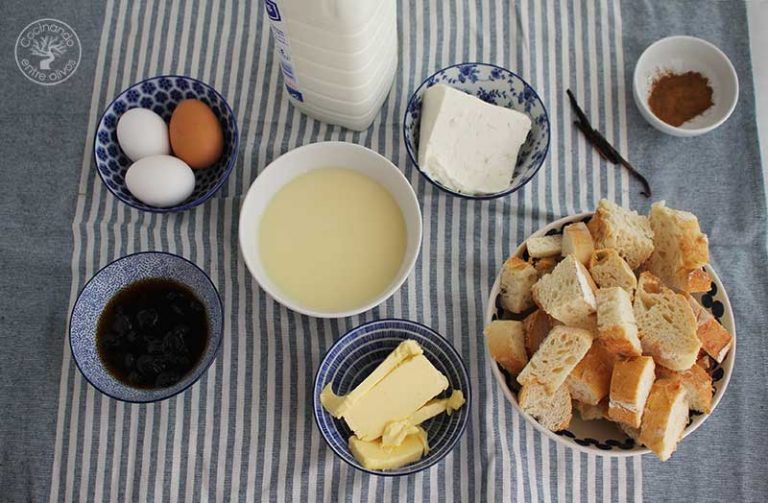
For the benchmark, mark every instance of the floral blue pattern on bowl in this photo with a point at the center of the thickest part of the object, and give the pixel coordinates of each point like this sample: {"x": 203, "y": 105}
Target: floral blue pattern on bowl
{"x": 102, "y": 288}
{"x": 497, "y": 86}
{"x": 162, "y": 94}
{"x": 357, "y": 353}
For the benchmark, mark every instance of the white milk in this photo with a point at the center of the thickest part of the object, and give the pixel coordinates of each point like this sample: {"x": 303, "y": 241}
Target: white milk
{"x": 338, "y": 57}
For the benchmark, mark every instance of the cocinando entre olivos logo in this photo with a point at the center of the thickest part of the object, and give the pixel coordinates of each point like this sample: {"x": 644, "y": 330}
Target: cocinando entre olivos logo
{"x": 48, "y": 51}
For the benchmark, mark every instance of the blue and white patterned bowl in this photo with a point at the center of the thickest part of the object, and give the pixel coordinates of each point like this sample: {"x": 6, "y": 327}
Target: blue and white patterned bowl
{"x": 162, "y": 94}
{"x": 361, "y": 350}
{"x": 102, "y": 288}
{"x": 496, "y": 85}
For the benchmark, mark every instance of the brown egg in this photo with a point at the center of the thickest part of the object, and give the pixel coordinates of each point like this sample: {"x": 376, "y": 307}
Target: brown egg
{"x": 196, "y": 135}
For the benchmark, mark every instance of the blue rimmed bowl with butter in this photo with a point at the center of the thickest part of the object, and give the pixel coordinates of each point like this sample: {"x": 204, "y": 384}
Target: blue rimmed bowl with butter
{"x": 364, "y": 373}
{"x": 467, "y": 148}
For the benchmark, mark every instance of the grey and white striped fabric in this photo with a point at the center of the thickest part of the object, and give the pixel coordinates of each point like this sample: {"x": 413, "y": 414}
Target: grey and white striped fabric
{"x": 245, "y": 431}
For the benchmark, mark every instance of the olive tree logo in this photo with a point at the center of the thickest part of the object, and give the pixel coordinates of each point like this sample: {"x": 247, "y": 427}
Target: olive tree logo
{"x": 48, "y": 51}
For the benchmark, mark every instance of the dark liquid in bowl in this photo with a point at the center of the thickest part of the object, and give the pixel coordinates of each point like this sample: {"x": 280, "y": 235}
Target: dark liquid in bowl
{"x": 152, "y": 333}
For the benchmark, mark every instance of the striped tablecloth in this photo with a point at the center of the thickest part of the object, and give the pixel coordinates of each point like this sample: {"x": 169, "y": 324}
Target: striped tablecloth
{"x": 245, "y": 431}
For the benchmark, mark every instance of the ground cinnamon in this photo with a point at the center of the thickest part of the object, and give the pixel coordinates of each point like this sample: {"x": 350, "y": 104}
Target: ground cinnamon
{"x": 678, "y": 98}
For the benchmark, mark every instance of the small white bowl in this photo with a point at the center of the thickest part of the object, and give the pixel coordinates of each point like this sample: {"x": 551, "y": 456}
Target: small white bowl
{"x": 683, "y": 54}
{"x": 335, "y": 154}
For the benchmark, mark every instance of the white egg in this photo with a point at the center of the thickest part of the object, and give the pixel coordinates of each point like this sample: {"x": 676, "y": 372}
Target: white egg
{"x": 142, "y": 133}
{"x": 160, "y": 180}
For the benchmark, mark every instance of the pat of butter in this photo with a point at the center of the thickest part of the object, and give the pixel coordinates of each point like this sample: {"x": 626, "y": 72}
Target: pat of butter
{"x": 338, "y": 406}
{"x": 396, "y": 431}
{"x": 373, "y": 456}
{"x": 401, "y": 393}
{"x": 466, "y": 144}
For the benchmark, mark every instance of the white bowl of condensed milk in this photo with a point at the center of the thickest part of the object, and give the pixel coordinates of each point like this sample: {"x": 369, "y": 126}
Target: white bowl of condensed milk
{"x": 330, "y": 229}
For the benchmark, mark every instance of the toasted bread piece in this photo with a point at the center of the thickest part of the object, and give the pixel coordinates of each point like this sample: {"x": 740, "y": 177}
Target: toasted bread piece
{"x": 666, "y": 324}
{"x": 665, "y": 418}
{"x": 544, "y": 265}
{"x": 545, "y": 246}
{"x": 590, "y": 412}
{"x": 715, "y": 339}
{"x": 697, "y": 383}
{"x": 551, "y": 410}
{"x": 680, "y": 248}
{"x": 517, "y": 278}
{"x": 506, "y": 343}
{"x": 608, "y": 269}
{"x": 577, "y": 241}
{"x": 630, "y": 384}
{"x": 537, "y": 327}
{"x": 567, "y": 293}
{"x": 623, "y": 230}
{"x": 616, "y": 327}
{"x": 590, "y": 381}
{"x": 699, "y": 281}
{"x": 557, "y": 356}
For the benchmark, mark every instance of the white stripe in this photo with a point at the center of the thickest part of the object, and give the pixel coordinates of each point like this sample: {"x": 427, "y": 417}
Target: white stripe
{"x": 606, "y": 461}
{"x": 580, "y": 93}
{"x": 555, "y": 89}
{"x": 576, "y": 480}
{"x": 637, "y": 478}
{"x": 622, "y": 482}
{"x": 622, "y": 102}
{"x": 607, "y": 95}
{"x": 530, "y": 450}
{"x": 565, "y": 64}
{"x": 594, "y": 104}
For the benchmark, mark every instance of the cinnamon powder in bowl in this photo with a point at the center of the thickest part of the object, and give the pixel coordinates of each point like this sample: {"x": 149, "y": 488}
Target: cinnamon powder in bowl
{"x": 677, "y": 98}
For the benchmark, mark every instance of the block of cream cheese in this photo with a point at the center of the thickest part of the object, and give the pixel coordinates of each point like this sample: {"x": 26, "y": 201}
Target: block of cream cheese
{"x": 396, "y": 431}
{"x": 401, "y": 393}
{"x": 338, "y": 406}
{"x": 373, "y": 456}
{"x": 466, "y": 144}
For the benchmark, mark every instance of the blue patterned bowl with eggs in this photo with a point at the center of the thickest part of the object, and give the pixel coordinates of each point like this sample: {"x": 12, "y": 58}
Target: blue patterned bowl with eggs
{"x": 103, "y": 287}
{"x": 161, "y": 95}
{"x": 498, "y": 86}
{"x": 356, "y": 354}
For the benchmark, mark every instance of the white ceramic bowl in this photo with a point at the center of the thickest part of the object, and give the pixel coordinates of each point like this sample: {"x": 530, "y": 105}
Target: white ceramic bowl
{"x": 604, "y": 437}
{"x": 682, "y": 54}
{"x": 316, "y": 156}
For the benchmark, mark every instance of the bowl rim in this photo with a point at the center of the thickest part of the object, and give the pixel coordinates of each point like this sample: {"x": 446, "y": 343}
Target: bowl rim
{"x": 638, "y": 450}
{"x": 219, "y": 183}
{"x": 480, "y": 197}
{"x": 386, "y": 294}
{"x": 203, "y": 368}
{"x": 351, "y": 334}
{"x": 668, "y": 128}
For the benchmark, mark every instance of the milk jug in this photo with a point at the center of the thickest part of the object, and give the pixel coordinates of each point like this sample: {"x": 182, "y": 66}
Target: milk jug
{"x": 338, "y": 57}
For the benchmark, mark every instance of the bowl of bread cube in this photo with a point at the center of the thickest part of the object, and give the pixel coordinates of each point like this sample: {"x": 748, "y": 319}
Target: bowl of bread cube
{"x": 610, "y": 331}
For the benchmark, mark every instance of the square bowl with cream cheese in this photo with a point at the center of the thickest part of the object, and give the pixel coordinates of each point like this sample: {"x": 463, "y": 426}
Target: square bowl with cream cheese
{"x": 476, "y": 130}
{"x": 365, "y": 351}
